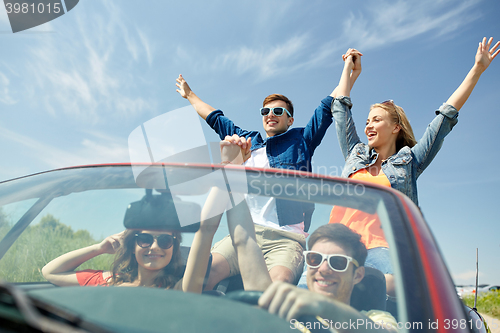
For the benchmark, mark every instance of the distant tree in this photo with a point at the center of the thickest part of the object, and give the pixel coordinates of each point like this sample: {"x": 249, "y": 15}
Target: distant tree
{"x": 49, "y": 223}
{"x": 84, "y": 236}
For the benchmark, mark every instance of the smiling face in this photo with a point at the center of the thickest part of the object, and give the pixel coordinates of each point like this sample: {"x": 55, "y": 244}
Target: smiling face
{"x": 153, "y": 257}
{"x": 276, "y": 125}
{"x": 380, "y": 129}
{"x": 324, "y": 280}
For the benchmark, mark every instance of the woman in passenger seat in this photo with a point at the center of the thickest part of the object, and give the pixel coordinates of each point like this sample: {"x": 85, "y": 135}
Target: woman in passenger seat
{"x": 142, "y": 258}
{"x": 149, "y": 257}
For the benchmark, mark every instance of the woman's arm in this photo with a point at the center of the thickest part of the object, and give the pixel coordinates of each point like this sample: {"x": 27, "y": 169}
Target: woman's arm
{"x": 254, "y": 272}
{"x": 484, "y": 56}
{"x": 61, "y": 271}
{"x": 234, "y": 150}
{"x": 199, "y": 254}
{"x": 341, "y": 108}
{"x": 185, "y": 91}
{"x": 253, "y": 269}
{"x": 430, "y": 143}
{"x": 350, "y": 73}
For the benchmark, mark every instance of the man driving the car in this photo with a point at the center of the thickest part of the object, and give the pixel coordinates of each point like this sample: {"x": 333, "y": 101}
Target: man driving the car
{"x": 334, "y": 265}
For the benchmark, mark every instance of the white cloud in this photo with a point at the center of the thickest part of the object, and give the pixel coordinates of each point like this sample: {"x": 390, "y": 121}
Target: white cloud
{"x": 4, "y": 20}
{"x": 267, "y": 62}
{"x": 5, "y": 95}
{"x": 391, "y": 22}
{"x": 147, "y": 46}
{"x": 95, "y": 148}
{"x": 89, "y": 74}
{"x": 381, "y": 24}
{"x": 110, "y": 152}
{"x": 466, "y": 277}
{"x": 50, "y": 156}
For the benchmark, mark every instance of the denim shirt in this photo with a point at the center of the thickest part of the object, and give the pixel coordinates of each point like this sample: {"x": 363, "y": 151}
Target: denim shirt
{"x": 292, "y": 149}
{"x": 403, "y": 168}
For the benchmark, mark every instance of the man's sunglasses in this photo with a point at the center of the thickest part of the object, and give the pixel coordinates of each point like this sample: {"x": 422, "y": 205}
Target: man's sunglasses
{"x": 165, "y": 241}
{"x": 277, "y": 111}
{"x": 337, "y": 262}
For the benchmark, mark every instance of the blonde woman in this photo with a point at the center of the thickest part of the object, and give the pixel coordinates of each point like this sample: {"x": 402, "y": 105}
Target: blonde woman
{"x": 392, "y": 156}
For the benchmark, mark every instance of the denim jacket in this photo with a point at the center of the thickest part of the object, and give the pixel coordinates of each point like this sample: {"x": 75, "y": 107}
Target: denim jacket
{"x": 292, "y": 149}
{"x": 403, "y": 168}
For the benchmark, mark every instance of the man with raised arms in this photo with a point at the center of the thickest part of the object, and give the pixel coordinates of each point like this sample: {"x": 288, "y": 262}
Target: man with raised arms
{"x": 281, "y": 227}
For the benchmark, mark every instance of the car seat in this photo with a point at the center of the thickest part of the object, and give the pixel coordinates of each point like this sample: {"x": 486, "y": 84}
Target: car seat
{"x": 184, "y": 255}
{"x": 370, "y": 293}
{"x": 229, "y": 284}
{"x": 234, "y": 283}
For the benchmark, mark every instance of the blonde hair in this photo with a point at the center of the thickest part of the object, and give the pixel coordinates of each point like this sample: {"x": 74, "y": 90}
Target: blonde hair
{"x": 398, "y": 115}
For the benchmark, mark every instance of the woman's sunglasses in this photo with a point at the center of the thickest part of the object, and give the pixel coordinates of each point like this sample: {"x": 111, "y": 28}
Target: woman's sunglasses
{"x": 165, "y": 241}
{"x": 277, "y": 111}
{"x": 337, "y": 262}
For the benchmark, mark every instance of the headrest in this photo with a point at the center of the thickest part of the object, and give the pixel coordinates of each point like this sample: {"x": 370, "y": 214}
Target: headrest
{"x": 161, "y": 212}
{"x": 369, "y": 293}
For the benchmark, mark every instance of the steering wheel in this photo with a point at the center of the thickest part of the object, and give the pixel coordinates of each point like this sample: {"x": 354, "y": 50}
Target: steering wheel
{"x": 252, "y": 297}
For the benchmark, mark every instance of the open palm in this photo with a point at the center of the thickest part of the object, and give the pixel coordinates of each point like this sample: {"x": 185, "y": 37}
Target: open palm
{"x": 485, "y": 55}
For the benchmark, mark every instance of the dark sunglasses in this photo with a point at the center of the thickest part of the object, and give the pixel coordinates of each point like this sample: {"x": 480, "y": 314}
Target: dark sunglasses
{"x": 337, "y": 262}
{"x": 277, "y": 111}
{"x": 165, "y": 241}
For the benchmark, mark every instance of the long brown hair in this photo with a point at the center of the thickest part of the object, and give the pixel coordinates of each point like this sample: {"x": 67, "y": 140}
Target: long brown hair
{"x": 398, "y": 116}
{"x": 125, "y": 266}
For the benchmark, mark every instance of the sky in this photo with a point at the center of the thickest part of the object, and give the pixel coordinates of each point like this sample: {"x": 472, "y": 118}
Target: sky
{"x": 73, "y": 90}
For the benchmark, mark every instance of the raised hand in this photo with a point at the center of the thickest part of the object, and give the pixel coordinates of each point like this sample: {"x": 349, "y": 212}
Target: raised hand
{"x": 484, "y": 57}
{"x": 112, "y": 243}
{"x": 355, "y": 57}
{"x": 485, "y": 53}
{"x": 184, "y": 89}
{"x": 235, "y": 149}
{"x": 202, "y": 108}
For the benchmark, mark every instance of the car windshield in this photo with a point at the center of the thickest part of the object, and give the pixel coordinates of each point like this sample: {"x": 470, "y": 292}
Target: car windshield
{"x": 46, "y": 215}
{"x": 49, "y": 214}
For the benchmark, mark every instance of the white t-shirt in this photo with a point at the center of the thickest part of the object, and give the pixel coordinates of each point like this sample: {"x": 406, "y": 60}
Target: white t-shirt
{"x": 263, "y": 209}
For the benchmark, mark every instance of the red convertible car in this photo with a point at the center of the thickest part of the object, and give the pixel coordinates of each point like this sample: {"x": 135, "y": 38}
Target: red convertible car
{"x": 45, "y": 215}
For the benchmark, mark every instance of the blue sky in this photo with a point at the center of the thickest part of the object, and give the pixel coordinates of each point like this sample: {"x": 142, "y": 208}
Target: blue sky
{"x": 72, "y": 90}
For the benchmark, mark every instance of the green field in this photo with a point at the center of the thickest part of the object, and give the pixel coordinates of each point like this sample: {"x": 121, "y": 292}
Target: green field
{"x": 41, "y": 243}
{"x": 488, "y": 303}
